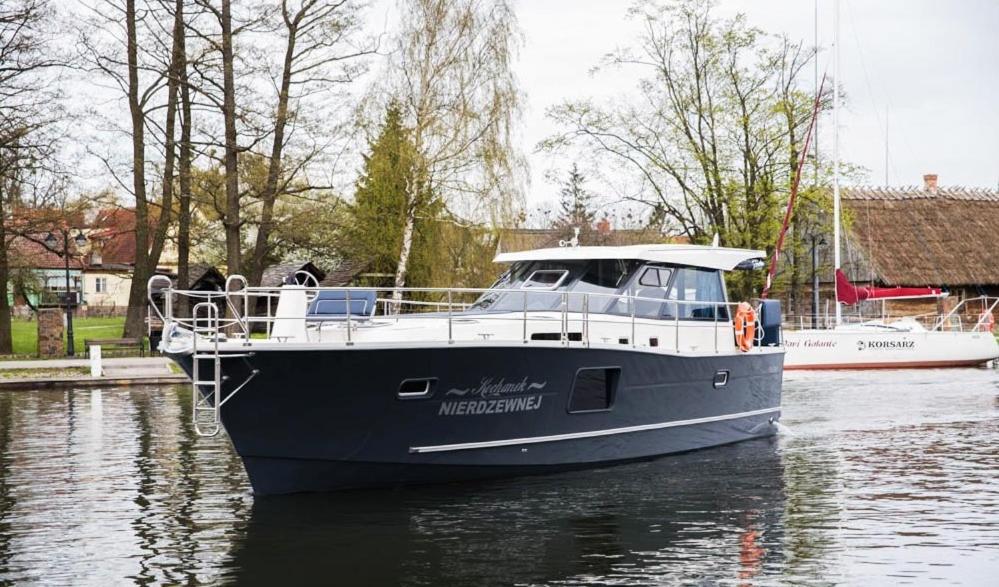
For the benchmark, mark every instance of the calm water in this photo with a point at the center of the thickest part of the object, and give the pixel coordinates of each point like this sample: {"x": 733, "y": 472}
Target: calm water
{"x": 883, "y": 478}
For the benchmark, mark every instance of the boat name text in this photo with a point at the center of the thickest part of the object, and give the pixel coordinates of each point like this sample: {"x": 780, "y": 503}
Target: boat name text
{"x": 524, "y": 403}
{"x": 885, "y": 344}
{"x": 810, "y": 343}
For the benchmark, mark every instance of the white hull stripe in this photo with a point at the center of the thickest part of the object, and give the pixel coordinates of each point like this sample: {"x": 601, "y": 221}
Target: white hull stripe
{"x": 589, "y": 434}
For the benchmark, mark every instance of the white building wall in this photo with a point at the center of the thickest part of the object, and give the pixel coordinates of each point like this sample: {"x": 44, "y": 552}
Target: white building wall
{"x": 114, "y": 294}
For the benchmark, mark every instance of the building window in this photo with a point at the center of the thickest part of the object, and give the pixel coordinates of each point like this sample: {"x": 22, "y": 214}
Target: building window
{"x": 101, "y": 285}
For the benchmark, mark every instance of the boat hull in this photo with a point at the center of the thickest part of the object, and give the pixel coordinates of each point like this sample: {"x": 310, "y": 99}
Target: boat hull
{"x": 871, "y": 349}
{"x": 319, "y": 420}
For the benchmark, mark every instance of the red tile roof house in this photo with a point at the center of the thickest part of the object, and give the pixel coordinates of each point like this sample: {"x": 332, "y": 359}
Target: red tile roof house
{"x": 101, "y": 269}
{"x": 110, "y": 261}
{"x": 38, "y": 275}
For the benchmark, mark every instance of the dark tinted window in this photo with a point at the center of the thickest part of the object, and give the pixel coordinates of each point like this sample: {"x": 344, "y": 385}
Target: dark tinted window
{"x": 608, "y": 273}
{"x": 593, "y": 389}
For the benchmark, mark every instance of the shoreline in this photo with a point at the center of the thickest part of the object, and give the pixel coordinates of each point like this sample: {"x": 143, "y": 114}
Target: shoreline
{"x": 117, "y": 372}
{"x": 48, "y": 384}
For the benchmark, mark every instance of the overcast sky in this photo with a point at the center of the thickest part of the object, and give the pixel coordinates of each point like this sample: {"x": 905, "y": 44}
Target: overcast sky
{"x": 930, "y": 66}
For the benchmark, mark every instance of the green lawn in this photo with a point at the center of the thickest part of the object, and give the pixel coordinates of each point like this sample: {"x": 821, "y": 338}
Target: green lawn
{"x": 25, "y": 333}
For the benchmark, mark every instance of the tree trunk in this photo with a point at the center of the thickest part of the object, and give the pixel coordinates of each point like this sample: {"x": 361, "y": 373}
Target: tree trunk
{"x": 407, "y": 247}
{"x": 275, "y": 164}
{"x": 6, "y": 338}
{"x": 184, "y": 211}
{"x": 137, "y": 292}
{"x": 233, "y": 242}
{"x": 170, "y": 144}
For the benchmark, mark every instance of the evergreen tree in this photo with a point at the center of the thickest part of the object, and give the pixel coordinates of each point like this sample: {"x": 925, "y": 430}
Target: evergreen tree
{"x": 575, "y": 202}
{"x": 377, "y": 217}
{"x": 445, "y": 252}
{"x": 374, "y": 231}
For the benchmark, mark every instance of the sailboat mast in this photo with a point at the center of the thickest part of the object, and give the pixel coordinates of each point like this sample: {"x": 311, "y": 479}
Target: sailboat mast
{"x": 836, "y": 211}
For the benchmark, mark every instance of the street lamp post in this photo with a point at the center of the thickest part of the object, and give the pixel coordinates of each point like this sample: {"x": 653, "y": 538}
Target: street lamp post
{"x": 816, "y": 241}
{"x": 51, "y": 241}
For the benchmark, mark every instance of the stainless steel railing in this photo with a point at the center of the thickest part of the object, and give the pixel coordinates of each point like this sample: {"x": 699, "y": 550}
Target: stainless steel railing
{"x": 250, "y": 312}
{"x": 968, "y": 315}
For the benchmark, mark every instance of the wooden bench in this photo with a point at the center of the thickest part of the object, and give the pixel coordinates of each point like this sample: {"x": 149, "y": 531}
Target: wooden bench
{"x": 115, "y": 344}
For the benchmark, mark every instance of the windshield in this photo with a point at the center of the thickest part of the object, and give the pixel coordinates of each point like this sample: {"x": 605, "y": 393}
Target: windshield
{"x": 547, "y": 280}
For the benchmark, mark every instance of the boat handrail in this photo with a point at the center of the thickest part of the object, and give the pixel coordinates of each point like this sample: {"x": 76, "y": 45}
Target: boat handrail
{"x": 988, "y": 306}
{"x": 571, "y": 310}
{"x": 953, "y": 320}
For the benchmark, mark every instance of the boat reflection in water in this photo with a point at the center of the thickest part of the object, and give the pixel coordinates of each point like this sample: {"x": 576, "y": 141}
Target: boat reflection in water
{"x": 713, "y": 515}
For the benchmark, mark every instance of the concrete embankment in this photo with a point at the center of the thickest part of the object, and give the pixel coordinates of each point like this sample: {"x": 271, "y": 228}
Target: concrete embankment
{"x": 73, "y": 373}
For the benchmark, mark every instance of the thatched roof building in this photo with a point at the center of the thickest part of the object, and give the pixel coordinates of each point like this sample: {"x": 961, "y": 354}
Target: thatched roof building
{"x": 930, "y": 235}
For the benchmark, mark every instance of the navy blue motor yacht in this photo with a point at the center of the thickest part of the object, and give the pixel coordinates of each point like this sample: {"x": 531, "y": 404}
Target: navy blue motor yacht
{"x": 575, "y": 357}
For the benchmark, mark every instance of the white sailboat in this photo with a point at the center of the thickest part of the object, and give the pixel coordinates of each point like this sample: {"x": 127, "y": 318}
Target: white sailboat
{"x": 928, "y": 341}
{"x": 948, "y": 340}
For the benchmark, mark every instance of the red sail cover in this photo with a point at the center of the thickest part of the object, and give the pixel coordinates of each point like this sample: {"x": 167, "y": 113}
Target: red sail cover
{"x": 850, "y": 294}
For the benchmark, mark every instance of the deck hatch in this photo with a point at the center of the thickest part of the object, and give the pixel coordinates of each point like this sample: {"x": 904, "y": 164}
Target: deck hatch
{"x": 593, "y": 389}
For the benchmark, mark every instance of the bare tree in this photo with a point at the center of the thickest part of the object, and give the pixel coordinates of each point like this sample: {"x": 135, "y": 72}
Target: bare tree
{"x": 711, "y": 141}
{"x": 452, "y": 75}
{"x": 28, "y": 110}
{"x": 233, "y": 242}
{"x": 320, "y": 51}
{"x": 186, "y": 155}
{"x": 148, "y": 79}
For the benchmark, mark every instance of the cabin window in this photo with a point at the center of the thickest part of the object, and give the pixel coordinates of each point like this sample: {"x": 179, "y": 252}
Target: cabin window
{"x": 605, "y": 277}
{"x": 650, "y": 277}
{"x": 651, "y": 286}
{"x": 594, "y": 389}
{"x": 608, "y": 274}
{"x": 542, "y": 277}
{"x": 546, "y": 279}
{"x": 693, "y": 284}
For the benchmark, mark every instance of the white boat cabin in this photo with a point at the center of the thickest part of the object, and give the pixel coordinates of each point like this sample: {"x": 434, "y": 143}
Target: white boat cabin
{"x": 664, "y": 297}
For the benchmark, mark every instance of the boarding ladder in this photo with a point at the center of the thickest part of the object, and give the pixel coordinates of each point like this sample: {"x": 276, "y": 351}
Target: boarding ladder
{"x": 207, "y": 392}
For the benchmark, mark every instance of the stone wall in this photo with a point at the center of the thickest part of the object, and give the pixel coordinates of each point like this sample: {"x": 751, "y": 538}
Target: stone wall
{"x": 50, "y": 329}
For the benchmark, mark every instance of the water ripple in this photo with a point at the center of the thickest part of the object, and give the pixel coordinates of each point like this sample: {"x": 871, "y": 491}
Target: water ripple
{"x": 877, "y": 479}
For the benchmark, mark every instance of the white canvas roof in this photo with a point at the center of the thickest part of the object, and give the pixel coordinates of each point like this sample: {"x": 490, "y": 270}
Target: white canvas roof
{"x": 694, "y": 255}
